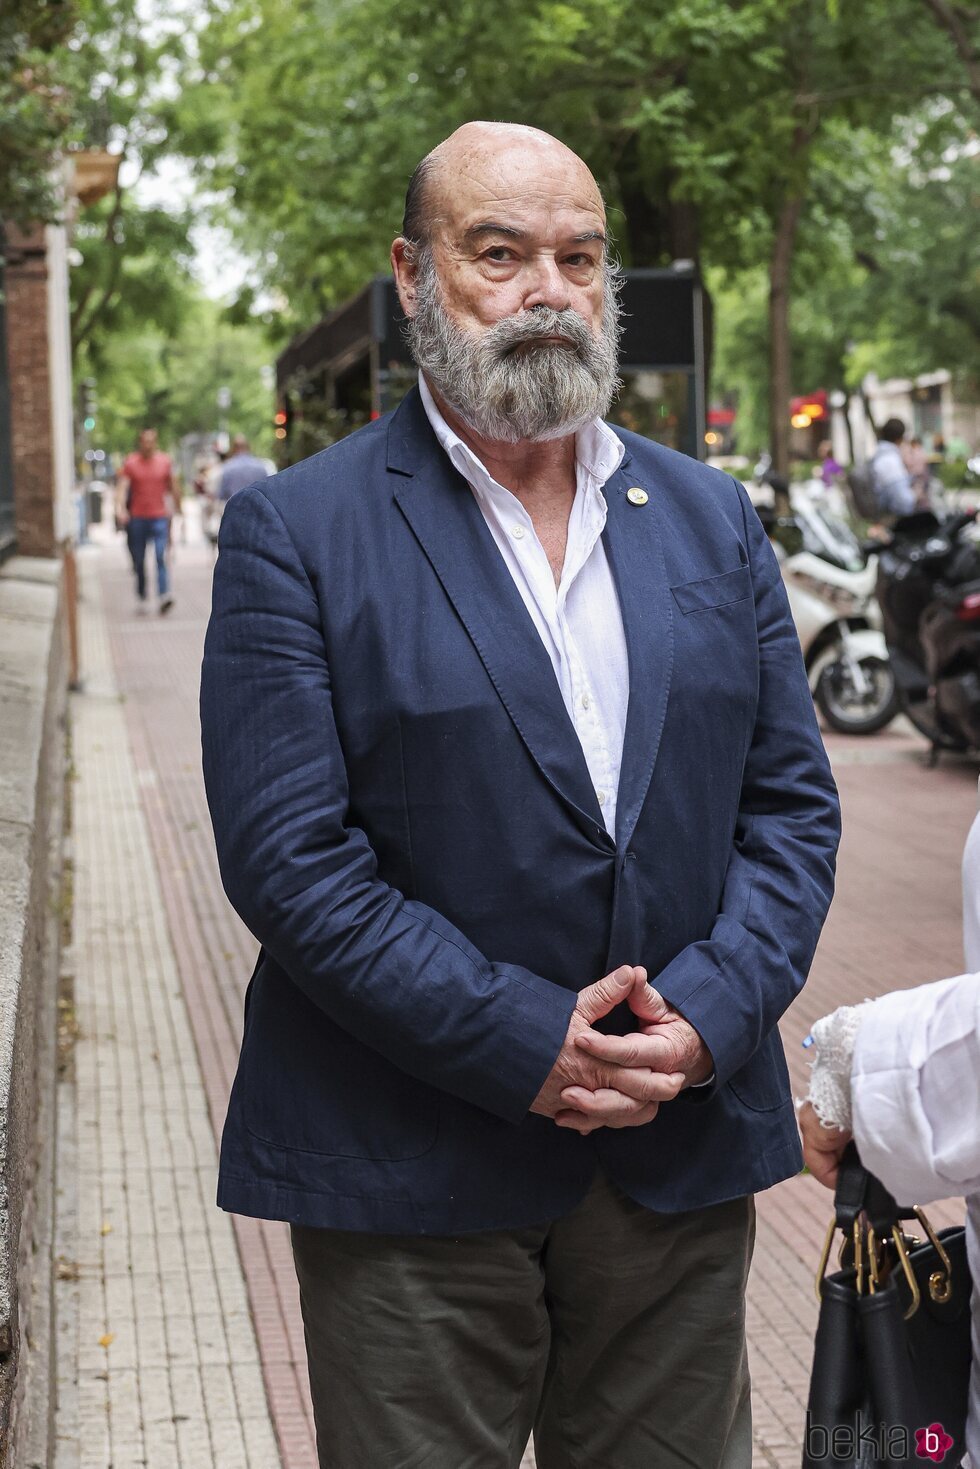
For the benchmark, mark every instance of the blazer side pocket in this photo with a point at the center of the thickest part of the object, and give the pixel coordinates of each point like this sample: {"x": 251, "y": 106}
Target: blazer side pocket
{"x": 714, "y": 591}
{"x": 762, "y": 1084}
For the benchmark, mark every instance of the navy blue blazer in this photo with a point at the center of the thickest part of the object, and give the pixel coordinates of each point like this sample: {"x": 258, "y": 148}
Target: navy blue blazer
{"x": 405, "y": 821}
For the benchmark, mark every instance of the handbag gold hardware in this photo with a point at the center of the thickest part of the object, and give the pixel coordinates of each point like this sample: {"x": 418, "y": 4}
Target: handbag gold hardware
{"x": 871, "y": 1262}
{"x": 859, "y": 1256}
{"x": 875, "y": 1264}
{"x": 824, "y": 1257}
{"x": 940, "y": 1281}
{"x": 911, "y": 1281}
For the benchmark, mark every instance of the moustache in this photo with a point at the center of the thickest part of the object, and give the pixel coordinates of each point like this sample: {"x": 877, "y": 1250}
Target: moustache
{"x": 539, "y": 325}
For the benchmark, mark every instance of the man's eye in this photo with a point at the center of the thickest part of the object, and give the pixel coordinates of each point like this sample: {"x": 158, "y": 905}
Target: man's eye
{"x": 499, "y": 253}
{"x": 579, "y": 262}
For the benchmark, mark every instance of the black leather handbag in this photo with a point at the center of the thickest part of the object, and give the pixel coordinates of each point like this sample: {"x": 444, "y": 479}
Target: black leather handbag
{"x": 891, "y": 1361}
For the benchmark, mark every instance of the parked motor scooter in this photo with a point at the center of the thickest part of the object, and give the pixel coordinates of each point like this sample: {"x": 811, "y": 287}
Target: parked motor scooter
{"x": 830, "y": 583}
{"x": 929, "y": 592}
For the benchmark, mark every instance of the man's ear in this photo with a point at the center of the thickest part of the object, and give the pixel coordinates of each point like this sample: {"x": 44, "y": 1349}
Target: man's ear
{"x": 403, "y": 268}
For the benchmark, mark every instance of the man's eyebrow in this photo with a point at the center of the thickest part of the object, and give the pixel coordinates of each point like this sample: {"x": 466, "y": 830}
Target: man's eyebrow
{"x": 493, "y": 227}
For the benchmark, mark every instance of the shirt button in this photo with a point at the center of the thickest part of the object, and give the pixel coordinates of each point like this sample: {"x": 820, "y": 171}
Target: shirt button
{"x": 602, "y": 797}
{"x": 518, "y": 532}
{"x": 586, "y": 701}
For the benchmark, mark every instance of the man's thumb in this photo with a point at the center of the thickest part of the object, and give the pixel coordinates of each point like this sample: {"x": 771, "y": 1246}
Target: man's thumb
{"x": 599, "y": 998}
{"x": 647, "y": 1004}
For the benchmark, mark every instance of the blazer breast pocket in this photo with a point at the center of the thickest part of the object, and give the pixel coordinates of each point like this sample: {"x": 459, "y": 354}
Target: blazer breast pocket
{"x": 714, "y": 591}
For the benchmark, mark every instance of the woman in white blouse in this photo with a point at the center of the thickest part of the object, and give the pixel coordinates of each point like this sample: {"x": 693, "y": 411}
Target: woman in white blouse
{"x": 902, "y": 1076}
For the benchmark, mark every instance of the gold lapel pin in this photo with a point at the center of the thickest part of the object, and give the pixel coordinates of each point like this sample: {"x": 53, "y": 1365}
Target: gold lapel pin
{"x": 636, "y": 496}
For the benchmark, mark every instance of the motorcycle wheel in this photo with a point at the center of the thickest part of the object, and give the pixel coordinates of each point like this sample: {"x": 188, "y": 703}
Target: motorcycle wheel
{"x": 850, "y": 712}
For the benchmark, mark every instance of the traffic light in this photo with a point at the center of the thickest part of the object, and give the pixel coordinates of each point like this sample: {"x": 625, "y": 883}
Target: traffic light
{"x": 90, "y": 405}
{"x": 282, "y": 423}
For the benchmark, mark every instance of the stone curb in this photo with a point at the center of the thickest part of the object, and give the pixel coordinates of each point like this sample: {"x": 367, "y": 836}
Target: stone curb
{"x": 32, "y": 746}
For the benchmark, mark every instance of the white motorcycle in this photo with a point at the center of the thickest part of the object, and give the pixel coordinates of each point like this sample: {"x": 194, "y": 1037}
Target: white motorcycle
{"x": 830, "y": 582}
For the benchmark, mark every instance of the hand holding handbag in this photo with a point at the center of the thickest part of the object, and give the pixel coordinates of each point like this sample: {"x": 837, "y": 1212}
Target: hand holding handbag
{"x": 891, "y": 1361}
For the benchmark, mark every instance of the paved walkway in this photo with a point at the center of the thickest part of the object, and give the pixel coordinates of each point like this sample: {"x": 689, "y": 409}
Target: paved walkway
{"x": 895, "y": 922}
{"x": 158, "y": 1357}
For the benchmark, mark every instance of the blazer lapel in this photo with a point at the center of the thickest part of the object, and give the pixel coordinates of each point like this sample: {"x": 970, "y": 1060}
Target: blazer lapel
{"x": 633, "y": 540}
{"x": 446, "y": 521}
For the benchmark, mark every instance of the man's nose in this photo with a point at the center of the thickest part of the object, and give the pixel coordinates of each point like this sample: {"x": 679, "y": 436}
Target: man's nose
{"x": 546, "y": 286}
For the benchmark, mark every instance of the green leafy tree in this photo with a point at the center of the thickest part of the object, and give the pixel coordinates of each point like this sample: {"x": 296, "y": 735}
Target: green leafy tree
{"x": 886, "y": 272}
{"x": 169, "y": 380}
{"x": 324, "y": 111}
{"x": 134, "y": 267}
{"x": 35, "y": 104}
{"x": 705, "y": 122}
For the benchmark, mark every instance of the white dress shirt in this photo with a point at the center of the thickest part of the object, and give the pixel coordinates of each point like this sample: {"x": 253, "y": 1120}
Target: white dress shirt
{"x": 579, "y": 621}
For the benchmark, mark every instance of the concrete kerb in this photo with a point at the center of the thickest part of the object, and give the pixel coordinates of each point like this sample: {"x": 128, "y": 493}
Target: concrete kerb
{"x": 32, "y": 727}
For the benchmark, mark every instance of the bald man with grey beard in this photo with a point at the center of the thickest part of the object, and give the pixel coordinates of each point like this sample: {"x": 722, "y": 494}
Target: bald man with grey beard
{"x": 504, "y": 716}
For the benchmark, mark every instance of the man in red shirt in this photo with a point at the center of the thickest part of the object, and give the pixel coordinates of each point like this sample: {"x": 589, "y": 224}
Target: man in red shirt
{"x": 145, "y": 503}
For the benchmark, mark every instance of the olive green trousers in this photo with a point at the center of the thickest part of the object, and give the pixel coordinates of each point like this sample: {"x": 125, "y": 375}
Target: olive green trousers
{"x": 616, "y": 1334}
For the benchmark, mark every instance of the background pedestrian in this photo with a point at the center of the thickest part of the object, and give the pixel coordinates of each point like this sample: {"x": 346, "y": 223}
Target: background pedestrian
{"x": 241, "y": 469}
{"x": 890, "y": 479}
{"x": 146, "y": 502}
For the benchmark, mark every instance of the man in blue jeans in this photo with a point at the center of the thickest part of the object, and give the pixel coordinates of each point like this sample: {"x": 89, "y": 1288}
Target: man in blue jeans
{"x": 145, "y": 503}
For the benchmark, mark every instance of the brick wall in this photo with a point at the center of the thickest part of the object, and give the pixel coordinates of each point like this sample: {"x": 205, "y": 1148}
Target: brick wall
{"x": 26, "y": 281}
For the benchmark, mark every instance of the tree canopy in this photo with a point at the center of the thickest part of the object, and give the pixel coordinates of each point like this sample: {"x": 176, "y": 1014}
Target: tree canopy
{"x": 794, "y": 139}
{"x": 818, "y": 162}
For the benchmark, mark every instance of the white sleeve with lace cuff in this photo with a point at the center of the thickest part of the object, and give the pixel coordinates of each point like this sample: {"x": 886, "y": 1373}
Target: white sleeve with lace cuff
{"x": 834, "y": 1038}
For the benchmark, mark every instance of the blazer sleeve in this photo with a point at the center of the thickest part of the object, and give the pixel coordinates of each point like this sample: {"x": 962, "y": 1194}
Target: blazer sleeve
{"x": 734, "y": 985}
{"x": 392, "y": 972}
{"x": 915, "y": 1090}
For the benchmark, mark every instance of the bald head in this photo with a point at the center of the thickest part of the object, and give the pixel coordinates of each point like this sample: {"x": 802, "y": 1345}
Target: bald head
{"x": 489, "y": 157}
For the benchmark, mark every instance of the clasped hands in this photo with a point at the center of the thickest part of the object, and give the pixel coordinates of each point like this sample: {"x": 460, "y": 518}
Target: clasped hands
{"x": 601, "y": 1080}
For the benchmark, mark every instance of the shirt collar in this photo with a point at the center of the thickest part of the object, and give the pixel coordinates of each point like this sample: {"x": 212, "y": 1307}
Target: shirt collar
{"x": 598, "y": 451}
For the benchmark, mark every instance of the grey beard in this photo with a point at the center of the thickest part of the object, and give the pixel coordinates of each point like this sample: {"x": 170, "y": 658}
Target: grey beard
{"x": 505, "y": 395}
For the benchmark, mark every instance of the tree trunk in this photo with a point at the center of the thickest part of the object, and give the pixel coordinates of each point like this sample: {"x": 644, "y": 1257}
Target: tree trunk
{"x": 868, "y": 414}
{"x": 708, "y": 325}
{"x": 848, "y": 425}
{"x": 780, "y": 381}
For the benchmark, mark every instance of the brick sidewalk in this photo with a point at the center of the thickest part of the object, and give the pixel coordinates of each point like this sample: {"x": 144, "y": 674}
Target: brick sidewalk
{"x": 895, "y": 922}
{"x": 157, "y": 1357}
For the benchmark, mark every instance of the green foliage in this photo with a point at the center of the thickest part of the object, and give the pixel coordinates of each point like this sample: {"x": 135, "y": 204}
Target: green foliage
{"x": 742, "y": 352}
{"x": 328, "y": 108}
{"x": 35, "y": 107}
{"x": 886, "y": 274}
{"x": 951, "y": 473}
{"x": 701, "y": 119}
{"x": 170, "y": 380}
{"x": 311, "y": 115}
{"x": 156, "y": 350}
{"x": 134, "y": 272}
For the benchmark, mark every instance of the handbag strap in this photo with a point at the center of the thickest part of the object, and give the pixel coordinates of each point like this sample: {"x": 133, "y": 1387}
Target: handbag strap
{"x": 858, "y": 1191}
